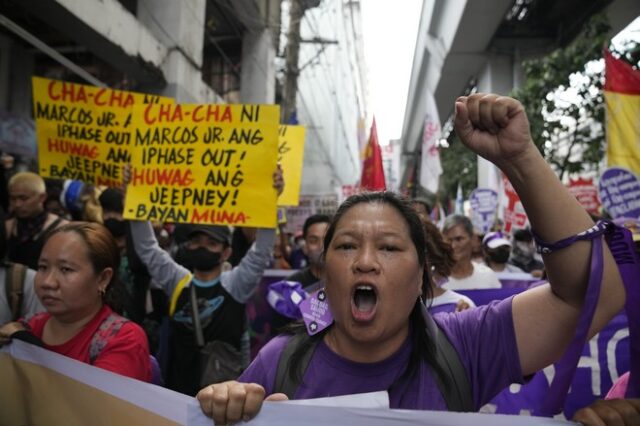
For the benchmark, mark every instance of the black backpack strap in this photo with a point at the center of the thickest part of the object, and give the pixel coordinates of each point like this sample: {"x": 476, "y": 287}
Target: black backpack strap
{"x": 108, "y": 327}
{"x": 14, "y": 283}
{"x": 284, "y": 383}
{"x": 457, "y": 394}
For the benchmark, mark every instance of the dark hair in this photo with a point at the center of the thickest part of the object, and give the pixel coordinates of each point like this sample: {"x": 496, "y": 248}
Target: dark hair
{"x": 312, "y": 220}
{"x": 103, "y": 253}
{"x": 439, "y": 252}
{"x": 523, "y": 235}
{"x": 112, "y": 200}
{"x": 423, "y": 201}
{"x": 422, "y": 345}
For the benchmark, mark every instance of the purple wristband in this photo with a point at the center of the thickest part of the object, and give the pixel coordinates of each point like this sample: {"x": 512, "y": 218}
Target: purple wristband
{"x": 601, "y": 227}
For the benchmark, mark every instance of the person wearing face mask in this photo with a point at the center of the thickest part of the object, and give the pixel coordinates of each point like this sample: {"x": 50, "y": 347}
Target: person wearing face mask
{"x": 221, "y": 295}
{"x": 497, "y": 249}
{"x": 313, "y": 232}
{"x": 523, "y": 253}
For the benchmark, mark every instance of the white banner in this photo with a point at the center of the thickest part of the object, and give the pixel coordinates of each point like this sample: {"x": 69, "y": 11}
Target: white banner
{"x": 430, "y": 168}
{"x": 42, "y": 387}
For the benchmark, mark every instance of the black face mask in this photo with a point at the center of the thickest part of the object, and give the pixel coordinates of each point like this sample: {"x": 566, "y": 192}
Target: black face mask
{"x": 118, "y": 228}
{"x": 500, "y": 255}
{"x": 203, "y": 259}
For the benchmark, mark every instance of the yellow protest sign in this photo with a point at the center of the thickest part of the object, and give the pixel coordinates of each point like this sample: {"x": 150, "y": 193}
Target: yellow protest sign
{"x": 83, "y": 132}
{"x": 291, "y": 156}
{"x": 209, "y": 164}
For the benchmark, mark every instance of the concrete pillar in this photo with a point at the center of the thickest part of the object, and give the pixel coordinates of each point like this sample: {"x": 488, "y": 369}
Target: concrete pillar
{"x": 179, "y": 25}
{"x": 16, "y": 69}
{"x": 5, "y": 62}
{"x": 497, "y": 77}
{"x": 258, "y": 75}
{"x": 22, "y": 66}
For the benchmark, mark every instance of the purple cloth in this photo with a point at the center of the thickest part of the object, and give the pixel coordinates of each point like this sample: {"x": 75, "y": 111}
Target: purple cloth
{"x": 447, "y": 307}
{"x": 471, "y": 332}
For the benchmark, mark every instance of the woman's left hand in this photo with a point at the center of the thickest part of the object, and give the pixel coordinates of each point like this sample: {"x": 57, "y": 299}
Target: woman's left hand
{"x": 7, "y": 330}
{"x": 494, "y": 127}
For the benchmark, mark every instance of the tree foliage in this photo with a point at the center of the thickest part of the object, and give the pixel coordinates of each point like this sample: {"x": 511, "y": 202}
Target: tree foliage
{"x": 562, "y": 94}
{"x": 459, "y": 166}
{"x": 567, "y": 125}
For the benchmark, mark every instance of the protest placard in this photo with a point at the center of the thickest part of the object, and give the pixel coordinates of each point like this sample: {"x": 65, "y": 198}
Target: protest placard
{"x": 586, "y": 193}
{"x": 484, "y": 202}
{"x": 309, "y": 205}
{"x": 210, "y": 164}
{"x": 515, "y": 216}
{"x": 83, "y": 132}
{"x": 620, "y": 192}
{"x": 291, "y": 157}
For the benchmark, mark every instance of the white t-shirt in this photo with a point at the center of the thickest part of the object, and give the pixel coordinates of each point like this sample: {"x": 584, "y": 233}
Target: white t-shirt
{"x": 450, "y": 296}
{"x": 482, "y": 277}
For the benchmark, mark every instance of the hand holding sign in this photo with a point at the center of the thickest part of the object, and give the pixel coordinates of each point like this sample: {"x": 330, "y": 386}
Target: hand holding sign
{"x": 231, "y": 402}
{"x": 278, "y": 180}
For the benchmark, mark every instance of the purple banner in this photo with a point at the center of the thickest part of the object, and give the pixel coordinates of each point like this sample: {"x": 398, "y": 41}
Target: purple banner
{"x": 603, "y": 360}
{"x": 620, "y": 192}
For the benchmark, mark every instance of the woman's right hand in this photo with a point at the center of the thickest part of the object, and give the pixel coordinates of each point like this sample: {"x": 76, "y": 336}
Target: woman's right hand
{"x": 230, "y": 402}
{"x": 7, "y": 330}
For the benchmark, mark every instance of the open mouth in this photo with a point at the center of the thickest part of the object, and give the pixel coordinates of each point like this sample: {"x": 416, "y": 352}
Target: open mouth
{"x": 364, "y": 302}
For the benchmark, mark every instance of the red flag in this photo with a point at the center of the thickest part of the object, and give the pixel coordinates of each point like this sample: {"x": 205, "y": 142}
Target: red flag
{"x": 372, "y": 178}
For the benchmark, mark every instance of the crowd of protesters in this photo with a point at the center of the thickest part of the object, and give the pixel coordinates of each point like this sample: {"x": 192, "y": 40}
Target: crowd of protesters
{"x": 150, "y": 300}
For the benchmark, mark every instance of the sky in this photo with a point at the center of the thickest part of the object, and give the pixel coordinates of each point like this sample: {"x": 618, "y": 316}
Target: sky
{"x": 389, "y": 31}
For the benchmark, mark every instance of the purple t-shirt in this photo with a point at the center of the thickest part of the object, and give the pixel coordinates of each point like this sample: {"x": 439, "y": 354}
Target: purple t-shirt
{"x": 484, "y": 338}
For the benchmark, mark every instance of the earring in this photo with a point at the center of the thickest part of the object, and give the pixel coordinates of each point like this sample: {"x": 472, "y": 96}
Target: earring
{"x": 102, "y": 291}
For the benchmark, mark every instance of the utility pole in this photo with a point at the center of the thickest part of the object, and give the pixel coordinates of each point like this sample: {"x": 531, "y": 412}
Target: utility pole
{"x": 297, "y": 9}
{"x": 296, "y": 12}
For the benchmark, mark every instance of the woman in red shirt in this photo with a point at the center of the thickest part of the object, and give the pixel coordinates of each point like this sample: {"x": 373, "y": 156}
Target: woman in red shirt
{"x": 75, "y": 282}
